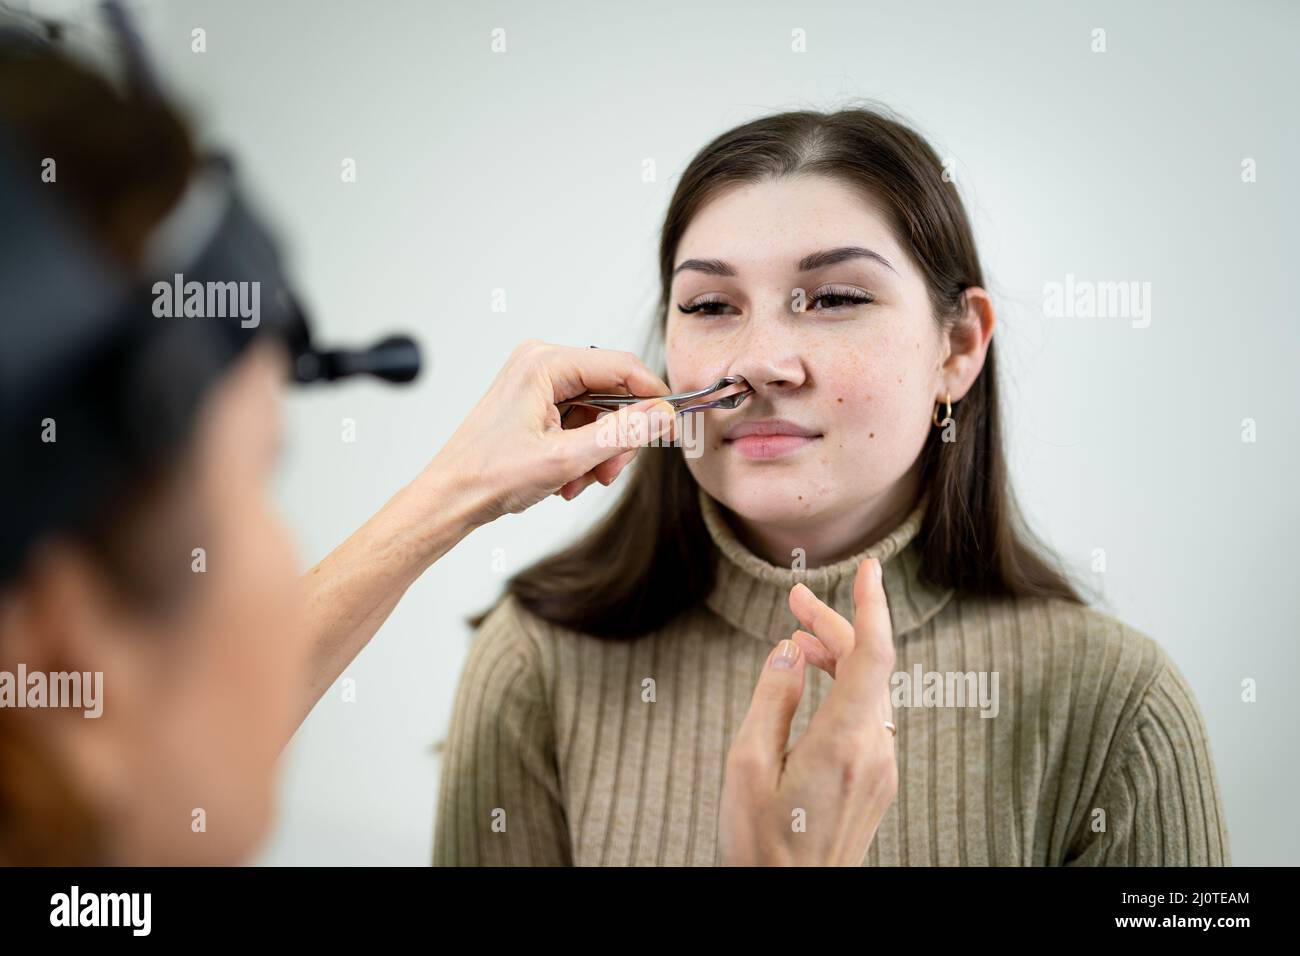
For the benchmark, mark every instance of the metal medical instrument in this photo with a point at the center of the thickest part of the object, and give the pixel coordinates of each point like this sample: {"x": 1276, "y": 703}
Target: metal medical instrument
{"x": 683, "y": 402}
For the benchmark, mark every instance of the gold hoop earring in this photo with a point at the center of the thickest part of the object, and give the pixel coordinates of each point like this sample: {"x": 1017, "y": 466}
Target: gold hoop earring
{"x": 934, "y": 415}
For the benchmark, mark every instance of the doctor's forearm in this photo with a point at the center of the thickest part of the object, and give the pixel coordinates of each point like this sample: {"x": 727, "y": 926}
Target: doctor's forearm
{"x": 351, "y": 592}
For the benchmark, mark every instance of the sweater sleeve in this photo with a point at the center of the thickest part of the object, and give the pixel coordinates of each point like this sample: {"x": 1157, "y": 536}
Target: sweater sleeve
{"x": 499, "y": 796}
{"x": 1158, "y": 800}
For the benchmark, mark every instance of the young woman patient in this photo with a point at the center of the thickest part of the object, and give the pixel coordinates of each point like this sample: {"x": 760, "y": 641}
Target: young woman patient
{"x": 824, "y": 258}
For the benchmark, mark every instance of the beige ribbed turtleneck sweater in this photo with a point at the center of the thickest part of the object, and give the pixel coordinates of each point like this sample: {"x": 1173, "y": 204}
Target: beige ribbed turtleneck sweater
{"x": 568, "y": 749}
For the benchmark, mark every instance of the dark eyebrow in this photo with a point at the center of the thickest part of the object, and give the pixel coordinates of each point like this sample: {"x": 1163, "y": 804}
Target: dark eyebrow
{"x": 713, "y": 267}
{"x": 816, "y": 260}
{"x": 830, "y": 257}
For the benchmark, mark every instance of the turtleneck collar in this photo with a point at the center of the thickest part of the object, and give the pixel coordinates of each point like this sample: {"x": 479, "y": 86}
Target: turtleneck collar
{"x": 753, "y": 595}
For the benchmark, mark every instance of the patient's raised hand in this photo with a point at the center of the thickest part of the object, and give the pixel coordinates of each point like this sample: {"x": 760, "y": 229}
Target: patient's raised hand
{"x": 820, "y": 802}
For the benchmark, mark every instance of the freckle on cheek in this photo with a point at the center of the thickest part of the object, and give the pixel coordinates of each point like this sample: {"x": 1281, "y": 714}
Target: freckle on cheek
{"x": 871, "y": 434}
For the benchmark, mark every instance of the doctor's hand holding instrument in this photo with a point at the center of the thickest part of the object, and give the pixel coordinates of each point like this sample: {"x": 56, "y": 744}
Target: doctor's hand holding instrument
{"x": 522, "y": 448}
{"x": 512, "y": 450}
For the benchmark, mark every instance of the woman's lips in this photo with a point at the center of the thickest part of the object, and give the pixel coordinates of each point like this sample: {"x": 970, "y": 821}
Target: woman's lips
{"x": 769, "y": 438}
{"x": 769, "y": 446}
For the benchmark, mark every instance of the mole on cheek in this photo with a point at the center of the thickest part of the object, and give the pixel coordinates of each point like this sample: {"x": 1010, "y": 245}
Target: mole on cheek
{"x": 871, "y": 434}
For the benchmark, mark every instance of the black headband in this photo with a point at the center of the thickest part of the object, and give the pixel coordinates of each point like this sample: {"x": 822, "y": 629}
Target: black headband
{"x": 101, "y": 374}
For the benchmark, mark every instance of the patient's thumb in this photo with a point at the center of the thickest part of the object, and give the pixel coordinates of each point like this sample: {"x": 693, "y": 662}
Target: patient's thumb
{"x": 766, "y": 728}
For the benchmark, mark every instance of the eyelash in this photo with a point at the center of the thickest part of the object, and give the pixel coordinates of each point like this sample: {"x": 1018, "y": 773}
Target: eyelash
{"x": 850, "y": 297}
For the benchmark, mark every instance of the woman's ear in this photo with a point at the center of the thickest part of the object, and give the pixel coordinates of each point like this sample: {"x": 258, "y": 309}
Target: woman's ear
{"x": 968, "y": 342}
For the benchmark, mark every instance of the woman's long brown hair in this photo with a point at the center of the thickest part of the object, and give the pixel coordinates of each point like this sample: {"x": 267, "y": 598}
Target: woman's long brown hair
{"x": 650, "y": 557}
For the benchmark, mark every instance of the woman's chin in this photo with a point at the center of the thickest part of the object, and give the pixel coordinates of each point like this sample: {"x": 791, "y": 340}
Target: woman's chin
{"x": 769, "y": 502}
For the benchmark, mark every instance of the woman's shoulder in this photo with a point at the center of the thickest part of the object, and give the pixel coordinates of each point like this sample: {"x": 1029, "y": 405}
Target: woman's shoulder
{"x": 561, "y": 655}
{"x": 1074, "y": 627}
{"x": 1100, "y": 660}
{"x": 510, "y": 627}
{"x": 507, "y": 651}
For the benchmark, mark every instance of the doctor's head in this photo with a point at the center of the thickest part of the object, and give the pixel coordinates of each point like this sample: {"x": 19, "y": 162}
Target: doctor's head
{"x": 171, "y": 576}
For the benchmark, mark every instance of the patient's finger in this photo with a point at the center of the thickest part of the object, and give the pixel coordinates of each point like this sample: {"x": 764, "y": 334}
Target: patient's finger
{"x": 862, "y": 678}
{"x": 815, "y": 651}
{"x": 823, "y": 621}
{"x": 757, "y": 753}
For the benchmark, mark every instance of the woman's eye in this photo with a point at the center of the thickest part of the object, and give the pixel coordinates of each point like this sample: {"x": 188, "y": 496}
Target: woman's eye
{"x": 704, "y": 307}
{"x": 839, "y": 298}
{"x": 825, "y": 300}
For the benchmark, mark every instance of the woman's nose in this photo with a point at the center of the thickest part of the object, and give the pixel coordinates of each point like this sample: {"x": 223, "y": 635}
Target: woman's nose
{"x": 768, "y": 354}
